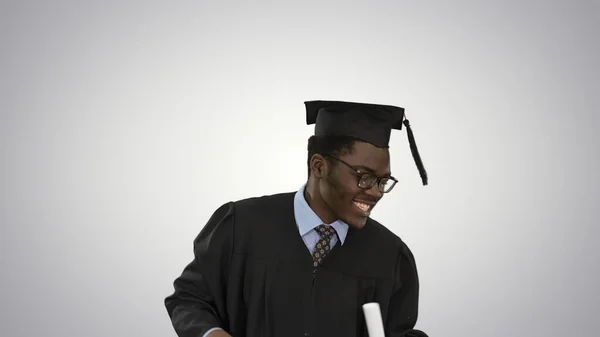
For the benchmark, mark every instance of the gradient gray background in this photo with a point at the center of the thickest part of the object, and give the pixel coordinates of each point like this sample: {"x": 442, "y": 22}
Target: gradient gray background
{"x": 124, "y": 125}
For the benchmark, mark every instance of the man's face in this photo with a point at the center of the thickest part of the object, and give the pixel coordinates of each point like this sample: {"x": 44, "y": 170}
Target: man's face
{"x": 340, "y": 191}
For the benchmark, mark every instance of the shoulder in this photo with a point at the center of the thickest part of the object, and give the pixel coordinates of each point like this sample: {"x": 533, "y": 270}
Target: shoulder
{"x": 387, "y": 239}
{"x": 264, "y": 200}
{"x": 233, "y": 208}
{"x": 252, "y": 218}
{"x": 263, "y": 204}
{"x": 383, "y": 234}
{"x": 253, "y": 207}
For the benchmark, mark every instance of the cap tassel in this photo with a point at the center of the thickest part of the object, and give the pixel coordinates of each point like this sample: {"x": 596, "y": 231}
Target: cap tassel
{"x": 415, "y": 152}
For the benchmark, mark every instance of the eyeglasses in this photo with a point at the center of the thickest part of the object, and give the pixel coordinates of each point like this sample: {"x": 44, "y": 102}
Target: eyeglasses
{"x": 367, "y": 180}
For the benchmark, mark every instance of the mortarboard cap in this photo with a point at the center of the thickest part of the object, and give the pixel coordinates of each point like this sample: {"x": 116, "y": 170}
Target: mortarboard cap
{"x": 371, "y": 123}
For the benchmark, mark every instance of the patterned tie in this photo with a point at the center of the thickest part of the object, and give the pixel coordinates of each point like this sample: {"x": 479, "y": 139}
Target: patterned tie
{"x": 325, "y": 232}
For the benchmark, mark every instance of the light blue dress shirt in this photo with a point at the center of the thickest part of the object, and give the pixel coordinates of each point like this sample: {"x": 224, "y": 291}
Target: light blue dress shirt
{"x": 307, "y": 220}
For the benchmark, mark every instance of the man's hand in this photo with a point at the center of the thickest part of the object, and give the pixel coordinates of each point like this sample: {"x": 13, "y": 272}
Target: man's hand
{"x": 218, "y": 333}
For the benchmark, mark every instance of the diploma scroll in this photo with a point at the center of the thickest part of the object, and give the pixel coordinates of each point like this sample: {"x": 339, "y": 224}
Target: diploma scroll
{"x": 373, "y": 319}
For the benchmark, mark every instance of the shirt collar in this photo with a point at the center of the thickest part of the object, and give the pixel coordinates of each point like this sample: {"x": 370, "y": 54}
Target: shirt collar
{"x": 307, "y": 219}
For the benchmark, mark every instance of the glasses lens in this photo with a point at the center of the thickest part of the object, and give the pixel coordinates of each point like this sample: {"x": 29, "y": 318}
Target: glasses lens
{"x": 386, "y": 185}
{"x": 367, "y": 180}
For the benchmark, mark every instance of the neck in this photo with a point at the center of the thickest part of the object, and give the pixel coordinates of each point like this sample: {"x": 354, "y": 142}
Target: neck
{"x": 317, "y": 203}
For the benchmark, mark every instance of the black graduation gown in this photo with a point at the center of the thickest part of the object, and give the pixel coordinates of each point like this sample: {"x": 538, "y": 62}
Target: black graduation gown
{"x": 252, "y": 276}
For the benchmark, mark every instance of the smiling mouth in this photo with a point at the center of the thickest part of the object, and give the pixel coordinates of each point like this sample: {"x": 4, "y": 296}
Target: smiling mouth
{"x": 364, "y": 207}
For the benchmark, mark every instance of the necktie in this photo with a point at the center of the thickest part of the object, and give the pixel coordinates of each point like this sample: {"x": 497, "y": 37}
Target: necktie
{"x": 323, "y": 245}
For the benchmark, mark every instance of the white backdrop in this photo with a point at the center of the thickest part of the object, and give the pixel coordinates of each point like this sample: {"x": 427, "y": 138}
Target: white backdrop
{"x": 124, "y": 125}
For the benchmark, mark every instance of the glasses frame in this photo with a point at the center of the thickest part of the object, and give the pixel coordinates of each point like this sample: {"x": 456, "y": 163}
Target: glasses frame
{"x": 360, "y": 174}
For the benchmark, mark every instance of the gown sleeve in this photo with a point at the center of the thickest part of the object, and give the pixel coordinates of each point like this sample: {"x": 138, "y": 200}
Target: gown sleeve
{"x": 404, "y": 303}
{"x": 198, "y": 301}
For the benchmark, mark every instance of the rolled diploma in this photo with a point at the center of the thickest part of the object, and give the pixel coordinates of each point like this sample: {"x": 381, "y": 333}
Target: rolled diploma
{"x": 373, "y": 319}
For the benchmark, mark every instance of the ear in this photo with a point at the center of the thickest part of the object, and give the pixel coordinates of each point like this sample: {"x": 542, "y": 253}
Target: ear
{"x": 319, "y": 166}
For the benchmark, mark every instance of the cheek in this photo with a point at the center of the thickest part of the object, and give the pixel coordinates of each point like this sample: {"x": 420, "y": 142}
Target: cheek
{"x": 340, "y": 192}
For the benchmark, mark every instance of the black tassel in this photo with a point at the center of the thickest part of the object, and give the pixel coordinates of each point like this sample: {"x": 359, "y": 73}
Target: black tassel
{"x": 413, "y": 333}
{"x": 415, "y": 152}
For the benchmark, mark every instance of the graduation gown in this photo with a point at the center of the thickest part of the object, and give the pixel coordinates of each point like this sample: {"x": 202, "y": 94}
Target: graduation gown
{"x": 253, "y": 276}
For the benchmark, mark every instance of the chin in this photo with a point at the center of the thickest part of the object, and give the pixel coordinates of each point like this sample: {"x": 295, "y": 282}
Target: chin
{"x": 356, "y": 222}
{"x": 357, "y": 217}
{"x": 353, "y": 216}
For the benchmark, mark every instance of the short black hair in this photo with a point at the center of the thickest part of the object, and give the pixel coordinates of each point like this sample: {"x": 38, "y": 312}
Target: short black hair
{"x": 329, "y": 145}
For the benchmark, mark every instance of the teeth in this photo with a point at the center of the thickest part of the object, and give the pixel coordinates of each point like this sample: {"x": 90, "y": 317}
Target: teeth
{"x": 364, "y": 207}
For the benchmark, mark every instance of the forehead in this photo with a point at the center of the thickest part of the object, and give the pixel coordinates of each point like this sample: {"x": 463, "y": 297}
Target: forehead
{"x": 369, "y": 156}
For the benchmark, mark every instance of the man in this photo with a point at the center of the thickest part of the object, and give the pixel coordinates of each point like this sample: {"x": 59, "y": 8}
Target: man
{"x": 304, "y": 263}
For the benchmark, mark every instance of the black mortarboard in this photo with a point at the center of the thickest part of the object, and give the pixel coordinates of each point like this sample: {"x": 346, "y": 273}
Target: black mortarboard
{"x": 371, "y": 123}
